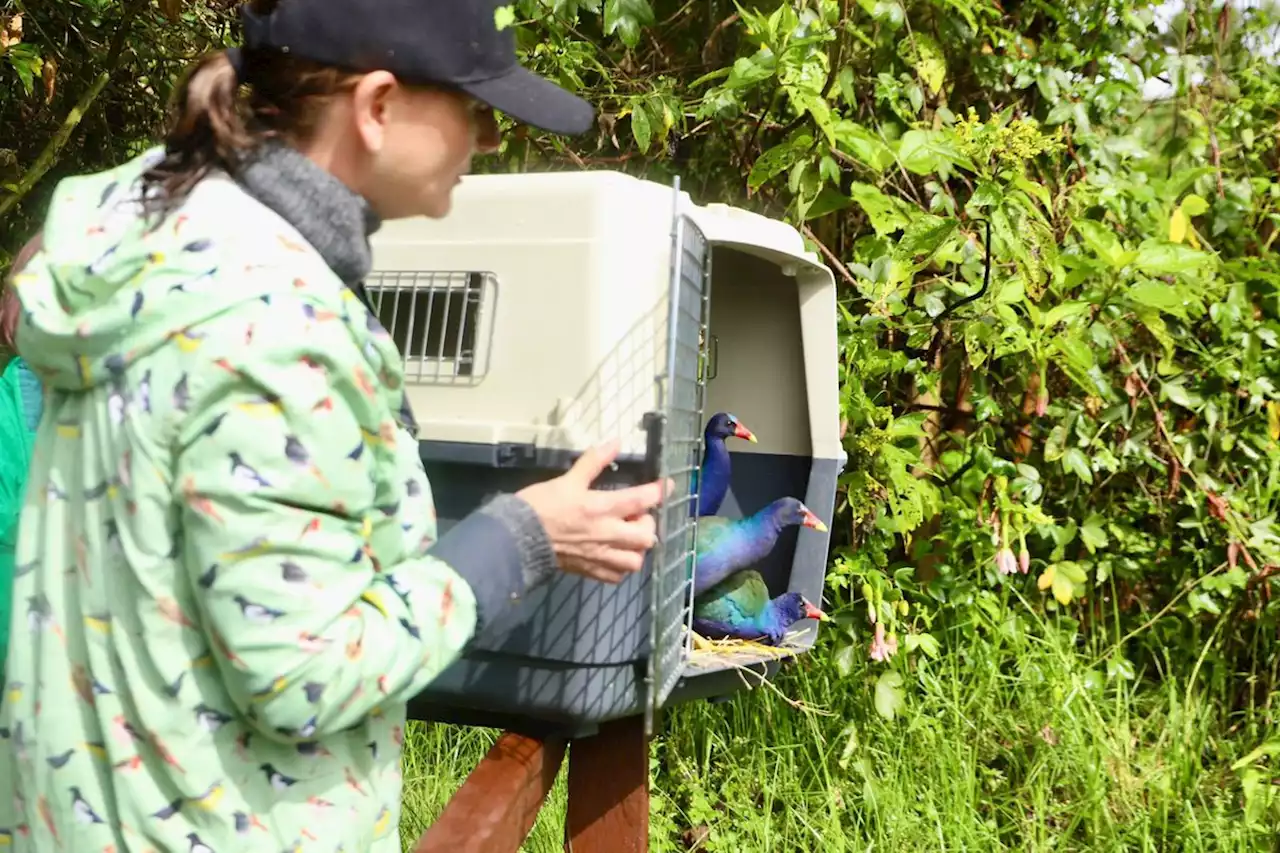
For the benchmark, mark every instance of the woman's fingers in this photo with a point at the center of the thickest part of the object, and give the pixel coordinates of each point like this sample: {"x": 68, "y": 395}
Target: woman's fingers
{"x": 637, "y": 535}
{"x": 628, "y": 503}
{"x": 618, "y": 562}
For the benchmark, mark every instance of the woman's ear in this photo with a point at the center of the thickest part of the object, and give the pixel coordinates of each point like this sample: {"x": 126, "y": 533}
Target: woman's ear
{"x": 370, "y": 108}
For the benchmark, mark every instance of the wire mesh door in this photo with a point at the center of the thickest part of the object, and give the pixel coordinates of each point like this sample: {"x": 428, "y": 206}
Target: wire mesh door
{"x": 676, "y": 438}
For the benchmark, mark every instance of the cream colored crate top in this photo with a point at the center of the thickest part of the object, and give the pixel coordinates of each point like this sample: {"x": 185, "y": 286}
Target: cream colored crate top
{"x": 574, "y": 333}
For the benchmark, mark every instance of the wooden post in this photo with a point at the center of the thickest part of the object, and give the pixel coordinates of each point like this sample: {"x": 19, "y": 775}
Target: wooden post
{"x": 609, "y": 790}
{"x": 496, "y": 807}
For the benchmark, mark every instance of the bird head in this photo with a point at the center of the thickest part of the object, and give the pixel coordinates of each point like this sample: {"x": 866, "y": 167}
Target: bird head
{"x": 724, "y": 425}
{"x": 794, "y": 607}
{"x": 789, "y": 511}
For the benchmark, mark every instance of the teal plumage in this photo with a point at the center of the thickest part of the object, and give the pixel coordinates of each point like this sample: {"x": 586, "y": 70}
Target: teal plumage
{"x": 740, "y": 608}
{"x": 725, "y": 546}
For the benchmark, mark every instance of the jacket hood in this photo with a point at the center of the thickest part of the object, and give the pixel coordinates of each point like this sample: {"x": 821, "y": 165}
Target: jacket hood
{"x": 111, "y": 285}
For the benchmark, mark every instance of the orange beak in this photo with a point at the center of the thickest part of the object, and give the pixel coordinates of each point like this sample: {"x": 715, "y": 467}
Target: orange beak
{"x": 742, "y": 432}
{"x": 813, "y": 522}
{"x": 811, "y": 612}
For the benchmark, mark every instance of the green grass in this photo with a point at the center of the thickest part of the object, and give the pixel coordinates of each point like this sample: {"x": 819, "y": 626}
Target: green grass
{"x": 1005, "y": 743}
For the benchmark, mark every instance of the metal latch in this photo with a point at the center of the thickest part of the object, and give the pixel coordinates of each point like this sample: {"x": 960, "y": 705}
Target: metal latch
{"x": 512, "y": 455}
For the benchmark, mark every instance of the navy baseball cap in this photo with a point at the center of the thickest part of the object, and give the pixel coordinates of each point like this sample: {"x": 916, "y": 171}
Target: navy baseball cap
{"x": 453, "y": 43}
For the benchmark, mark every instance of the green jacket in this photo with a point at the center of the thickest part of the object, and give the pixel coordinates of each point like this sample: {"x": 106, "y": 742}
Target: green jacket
{"x": 232, "y": 581}
{"x": 20, "y": 406}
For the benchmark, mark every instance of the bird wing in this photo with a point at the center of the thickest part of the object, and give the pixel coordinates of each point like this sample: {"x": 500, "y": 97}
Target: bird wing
{"x": 713, "y": 532}
{"x": 742, "y": 597}
{"x": 723, "y": 548}
{"x": 716, "y": 630}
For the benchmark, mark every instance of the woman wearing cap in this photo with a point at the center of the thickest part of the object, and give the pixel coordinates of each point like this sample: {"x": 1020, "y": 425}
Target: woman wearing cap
{"x": 233, "y": 582}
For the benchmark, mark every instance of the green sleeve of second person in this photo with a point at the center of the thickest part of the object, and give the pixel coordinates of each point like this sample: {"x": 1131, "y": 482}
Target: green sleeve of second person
{"x": 16, "y": 439}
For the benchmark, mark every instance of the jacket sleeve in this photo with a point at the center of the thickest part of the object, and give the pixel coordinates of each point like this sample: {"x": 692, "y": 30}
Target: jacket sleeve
{"x": 281, "y": 515}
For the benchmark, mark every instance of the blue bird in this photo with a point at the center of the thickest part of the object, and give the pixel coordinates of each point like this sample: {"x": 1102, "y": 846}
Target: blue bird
{"x": 740, "y": 608}
{"x": 726, "y": 546}
{"x": 714, "y": 475}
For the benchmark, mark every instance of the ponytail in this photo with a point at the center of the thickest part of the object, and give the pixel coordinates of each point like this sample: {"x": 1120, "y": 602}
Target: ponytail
{"x": 215, "y": 125}
{"x": 208, "y": 130}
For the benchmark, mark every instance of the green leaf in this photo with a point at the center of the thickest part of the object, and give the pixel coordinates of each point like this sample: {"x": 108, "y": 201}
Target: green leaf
{"x": 1036, "y": 190}
{"x": 1063, "y": 588}
{"x": 749, "y": 71}
{"x": 503, "y": 17}
{"x": 1065, "y": 311}
{"x": 828, "y": 201}
{"x": 1193, "y": 206}
{"x": 1012, "y": 292}
{"x": 884, "y": 212}
{"x": 1119, "y": 667}
{"x": 1176, "y": 393}
{"x": 1159, "y": 330}
{"x": 889, "y": 696}
{"x": 1101, "y": 240}
{"x": 923, "y": 237}
{"x": 923, "y": 642}
{"x": 626, "y": 18}
{"x": 925, "y": 55}
{"x": 1074, "y": 461}
{"x": 1055, "y": 444}
{"x": 1157, "y": 295}
{"x": 1092, "y": 534}
{"x": 863, "y": 145}
{"x": 1160, "y": 258}
{"x": 641, "y": 129}
{"x": 988, "y": 194}
{"x": 777, "y": 160}
{"x": 846, "y": 659}
{"x": 916, "y": 154}
{"x": 1076, "y": 351}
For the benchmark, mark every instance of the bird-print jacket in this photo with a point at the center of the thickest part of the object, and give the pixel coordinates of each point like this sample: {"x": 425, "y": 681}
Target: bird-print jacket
{"x": 227, "y": 583}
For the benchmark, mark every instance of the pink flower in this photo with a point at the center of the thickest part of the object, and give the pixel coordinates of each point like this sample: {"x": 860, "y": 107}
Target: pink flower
{"x": 1024, "y": 561}
{"x": 882, "y": 649}
{"x": 1006, "y": 563}
{"x": 1042, "y": 404}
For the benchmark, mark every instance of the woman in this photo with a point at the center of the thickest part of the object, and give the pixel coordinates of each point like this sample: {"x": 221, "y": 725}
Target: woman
{"x": 20, "y": 406}
{"x": 234, "y": 581}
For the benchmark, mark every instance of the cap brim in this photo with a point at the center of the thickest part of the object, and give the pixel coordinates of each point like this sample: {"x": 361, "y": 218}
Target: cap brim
{"x": 534, "y": 100}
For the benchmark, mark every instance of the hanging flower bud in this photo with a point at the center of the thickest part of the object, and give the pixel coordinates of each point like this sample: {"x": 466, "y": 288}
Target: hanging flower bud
{"x": 1024, "y": 561}
{"x": 1042, "y": 403}
{"x": 883, "y": 648}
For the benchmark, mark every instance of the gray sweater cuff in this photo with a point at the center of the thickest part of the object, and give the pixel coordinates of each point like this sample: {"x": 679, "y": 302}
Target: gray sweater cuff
{"x": 537, "y": 557}
{"x": 502, "y": 551}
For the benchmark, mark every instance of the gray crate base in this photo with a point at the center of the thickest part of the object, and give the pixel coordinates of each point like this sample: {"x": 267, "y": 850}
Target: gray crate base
{"x": 572, "y": 655}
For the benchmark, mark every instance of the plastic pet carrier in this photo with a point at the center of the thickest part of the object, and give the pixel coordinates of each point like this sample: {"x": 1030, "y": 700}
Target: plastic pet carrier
{"x": 551, "y": 312}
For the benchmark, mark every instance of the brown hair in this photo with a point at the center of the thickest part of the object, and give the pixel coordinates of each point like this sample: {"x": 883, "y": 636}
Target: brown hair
{"x": 214, "y": 124}
{"x": 10, "y": 308}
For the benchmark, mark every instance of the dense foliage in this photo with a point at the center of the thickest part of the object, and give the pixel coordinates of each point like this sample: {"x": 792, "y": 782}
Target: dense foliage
{"x": 1060, "y": 324}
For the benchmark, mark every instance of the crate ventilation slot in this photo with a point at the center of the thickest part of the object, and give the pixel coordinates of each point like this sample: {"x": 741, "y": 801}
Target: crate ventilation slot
{"x": 441, "y": 321}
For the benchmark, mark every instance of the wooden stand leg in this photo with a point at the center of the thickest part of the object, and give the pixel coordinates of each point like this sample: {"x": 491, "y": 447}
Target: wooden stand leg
{"x": 609, "y": 791}
{"x": 496, "y": 807}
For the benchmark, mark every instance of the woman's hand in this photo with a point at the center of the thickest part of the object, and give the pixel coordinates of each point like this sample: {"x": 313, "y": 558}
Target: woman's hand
{"x": 599, "y": 534}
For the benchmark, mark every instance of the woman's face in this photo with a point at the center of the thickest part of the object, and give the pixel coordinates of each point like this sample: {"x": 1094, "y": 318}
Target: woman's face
{"x": 415, "y": 145}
